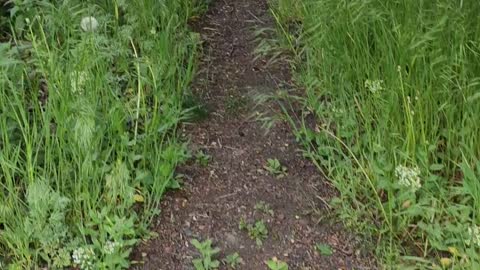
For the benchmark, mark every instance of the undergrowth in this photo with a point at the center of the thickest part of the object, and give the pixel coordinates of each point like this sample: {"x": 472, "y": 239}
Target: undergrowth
{"x": 390, "y": 114}
{"x": 91, "y": 93}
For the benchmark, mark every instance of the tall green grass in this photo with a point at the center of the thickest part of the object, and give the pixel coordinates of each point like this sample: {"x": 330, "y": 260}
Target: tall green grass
{"x": 391, "y": 114}
{"x": 87, "y": 126}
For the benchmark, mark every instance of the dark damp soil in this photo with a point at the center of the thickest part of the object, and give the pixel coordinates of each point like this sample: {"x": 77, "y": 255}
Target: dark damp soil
{"x": 216, "y": 197}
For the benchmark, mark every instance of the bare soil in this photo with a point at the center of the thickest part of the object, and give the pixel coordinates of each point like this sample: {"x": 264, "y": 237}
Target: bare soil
{"x": 216, "y": 197}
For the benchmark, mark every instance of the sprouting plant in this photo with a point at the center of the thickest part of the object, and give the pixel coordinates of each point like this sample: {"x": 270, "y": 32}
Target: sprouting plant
{"x": 207, "y": 252}
{"x": 264, "y": 207}
{"x": 202, "y": 158}
{"x": 324, "y": 249}
{"x": 234, "y": 103}
{"x": 233, "y": 260}
{"x": 257, "y": 231}
{"x": 276, "y": 264}
{"x": 274, "y": 167}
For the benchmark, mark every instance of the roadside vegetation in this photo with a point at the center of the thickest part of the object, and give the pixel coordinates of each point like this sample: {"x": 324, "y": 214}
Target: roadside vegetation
{"x": 91, "y": 93}
{"x": 390, "y": 113}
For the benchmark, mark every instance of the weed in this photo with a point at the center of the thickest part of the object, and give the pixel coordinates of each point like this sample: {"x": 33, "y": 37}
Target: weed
{"x": 235, "y": 103}
{"x": 207, "y": 252}
{"x": 233, "y": 260}
{"x": 257, "y": 231}
{"x": 276, "y": 264}
{"x": 196, "y": 110}
{"x": 274, "y": 167}
{"x": 202, "y": 158}
{"x": 324, "y": 249}
{"x": 264, "y": 207}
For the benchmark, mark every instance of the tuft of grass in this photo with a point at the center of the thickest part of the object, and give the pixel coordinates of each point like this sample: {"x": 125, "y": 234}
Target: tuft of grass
{"x": 390, "y": 115}
{"x": 235, "y": 103}
{"x": 88, "y": 123}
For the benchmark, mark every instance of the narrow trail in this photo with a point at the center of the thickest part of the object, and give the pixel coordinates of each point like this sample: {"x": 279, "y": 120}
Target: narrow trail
{"x": 215, "y": 198}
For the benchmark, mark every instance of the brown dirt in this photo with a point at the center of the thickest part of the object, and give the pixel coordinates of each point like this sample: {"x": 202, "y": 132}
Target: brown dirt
{"x": 216, "y": 197}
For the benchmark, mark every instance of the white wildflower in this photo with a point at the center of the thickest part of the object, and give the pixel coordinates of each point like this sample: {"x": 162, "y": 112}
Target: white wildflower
{"x": 408, "y": 177}
{"x": 337, "y": 110}
{"x": 89, "y": 24}
{"x": 83, "y": 257}
{"x": 78, "y": 80}
{"x": 110, "y": 247}
{"x": 473, "y": 236}
{"x": 374, "y": 86}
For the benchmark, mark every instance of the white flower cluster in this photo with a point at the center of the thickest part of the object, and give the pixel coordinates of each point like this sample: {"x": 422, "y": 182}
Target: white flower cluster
{"x": 408, "y": 177}
{"x": 374, "y": 86}
{"x": 83, "y": 257}
{"x": 474, "y": 236}
{"x": 78, "y": 80}
{"x": 110, "y": 247}
{"x": 89, "y": 24}
{"x": 337, "y": 110}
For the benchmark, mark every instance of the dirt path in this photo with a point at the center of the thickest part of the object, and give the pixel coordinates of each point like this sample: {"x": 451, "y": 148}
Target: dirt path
{"x": 216, "y": 197}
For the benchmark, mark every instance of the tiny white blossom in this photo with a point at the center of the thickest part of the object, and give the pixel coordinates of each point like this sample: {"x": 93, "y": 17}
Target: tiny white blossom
{"x": 83, "y": 257}
{"x": 473, "y": 236}
{"x": 78, "y": 80}
{"x": 110, "y": 247}
{"x": 89, "y": 24}
{"x": 408, "y": 177}
{"x": 374, "y": 86}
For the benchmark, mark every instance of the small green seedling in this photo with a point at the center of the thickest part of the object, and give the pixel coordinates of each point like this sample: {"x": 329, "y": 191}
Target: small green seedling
{"x": 202, "y": 158}
{"x": 324, "y": 249}
{"x": 235, "y": 103}
{"x": 264, "y": 207}
{"x": 233, "y": 260}
{"x": 257, "y": 232}
{"x": 207, "y": 252}
{"x": 275, "y": 168}
{"x": 276, "y": 264}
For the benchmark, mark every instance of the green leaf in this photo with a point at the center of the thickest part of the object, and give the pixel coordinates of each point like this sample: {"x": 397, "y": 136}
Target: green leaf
{"x": 173, "y": 184}
{"x": 436, "y": 167}
{"x": 198, "y": 264}
{"x": 215, "y": 264}
{"x": 324, "y": 249}
{"x": 196, "y": 244}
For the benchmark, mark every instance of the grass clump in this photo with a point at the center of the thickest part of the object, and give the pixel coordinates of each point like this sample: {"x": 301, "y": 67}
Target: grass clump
{"x": 90, "y": 95}
{"x": 391, "y": 113}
